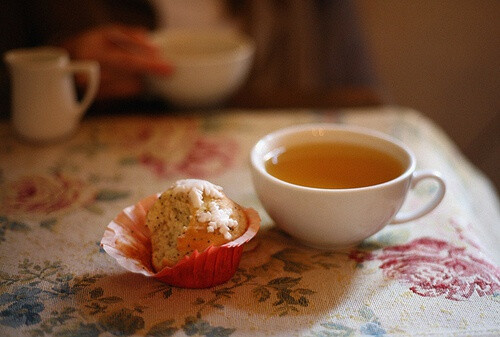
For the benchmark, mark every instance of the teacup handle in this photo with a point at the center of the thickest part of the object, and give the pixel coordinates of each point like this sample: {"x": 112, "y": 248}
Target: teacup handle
{"x": 91, "y": 68}
{"x": 431, "y": 204}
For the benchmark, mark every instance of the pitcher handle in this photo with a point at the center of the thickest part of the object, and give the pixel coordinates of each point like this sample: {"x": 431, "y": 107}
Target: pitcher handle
{"x": 431, "y": 204}
{"x": 91, "y": 68}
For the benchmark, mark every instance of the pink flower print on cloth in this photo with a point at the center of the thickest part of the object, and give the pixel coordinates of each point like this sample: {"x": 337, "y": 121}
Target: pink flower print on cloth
{"x": 437, "y": 268}
{"x": 208, "y": 157}
{"x": 183, "y": 150}
{"x": 43, "y": 194}
{"x": 201, "y": 157}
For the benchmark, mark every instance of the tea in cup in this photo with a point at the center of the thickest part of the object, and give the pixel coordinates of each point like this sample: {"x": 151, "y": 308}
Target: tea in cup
{"x": 44, "y": 100}
{"x": 332, "y": 186}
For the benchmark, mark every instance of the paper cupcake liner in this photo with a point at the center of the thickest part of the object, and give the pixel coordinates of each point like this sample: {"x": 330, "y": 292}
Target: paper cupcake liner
{"x": 128, "y": 240}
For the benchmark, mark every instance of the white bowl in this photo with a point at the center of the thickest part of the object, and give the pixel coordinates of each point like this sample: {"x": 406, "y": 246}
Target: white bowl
{"x": 209, "y": 66}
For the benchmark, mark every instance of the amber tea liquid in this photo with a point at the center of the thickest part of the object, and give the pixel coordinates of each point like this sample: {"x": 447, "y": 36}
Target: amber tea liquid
{"x": 333, "y": 165}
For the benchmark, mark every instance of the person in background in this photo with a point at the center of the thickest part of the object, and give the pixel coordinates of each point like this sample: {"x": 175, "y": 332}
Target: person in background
{"x": 304, "y": 49}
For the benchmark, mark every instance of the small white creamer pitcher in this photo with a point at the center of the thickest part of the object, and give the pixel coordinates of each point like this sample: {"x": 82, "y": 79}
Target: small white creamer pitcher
{"x": 44, "y": 101}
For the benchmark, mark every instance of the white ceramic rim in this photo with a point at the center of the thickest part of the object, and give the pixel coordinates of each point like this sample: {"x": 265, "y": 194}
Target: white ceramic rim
{"x": 258, "y": 163}
{"x": 245, "y": 47}
{"x": 26, "y": 56}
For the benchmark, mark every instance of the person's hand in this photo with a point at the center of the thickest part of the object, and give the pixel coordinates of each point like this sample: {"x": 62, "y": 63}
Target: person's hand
{"x": 125, "y": 55}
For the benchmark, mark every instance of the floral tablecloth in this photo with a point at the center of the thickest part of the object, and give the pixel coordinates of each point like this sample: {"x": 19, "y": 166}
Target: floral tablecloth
{"x": 437, "y": 276}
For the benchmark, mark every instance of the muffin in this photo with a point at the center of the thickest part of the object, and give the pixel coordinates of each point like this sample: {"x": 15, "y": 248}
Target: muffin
{"x": 192, "y": 215}
{"x": 189, "y": 236}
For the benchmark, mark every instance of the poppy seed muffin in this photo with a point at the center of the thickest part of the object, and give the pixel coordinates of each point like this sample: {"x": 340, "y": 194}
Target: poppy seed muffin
{"x": 192, "y": 215}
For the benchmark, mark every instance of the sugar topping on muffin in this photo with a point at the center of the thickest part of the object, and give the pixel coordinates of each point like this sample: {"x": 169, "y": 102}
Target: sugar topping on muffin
{"x": 215, "y": 216}
{"x": 192, "y": 215}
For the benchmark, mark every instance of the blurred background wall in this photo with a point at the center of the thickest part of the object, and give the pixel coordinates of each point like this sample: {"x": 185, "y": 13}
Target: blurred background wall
{"x": 442, "y": 57}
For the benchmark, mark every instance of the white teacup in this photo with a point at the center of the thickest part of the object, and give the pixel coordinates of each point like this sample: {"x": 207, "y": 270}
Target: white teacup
{"x": 329, "y": 218}
{"x": 208, "y": 66}
{"x": 44, "y": 102}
